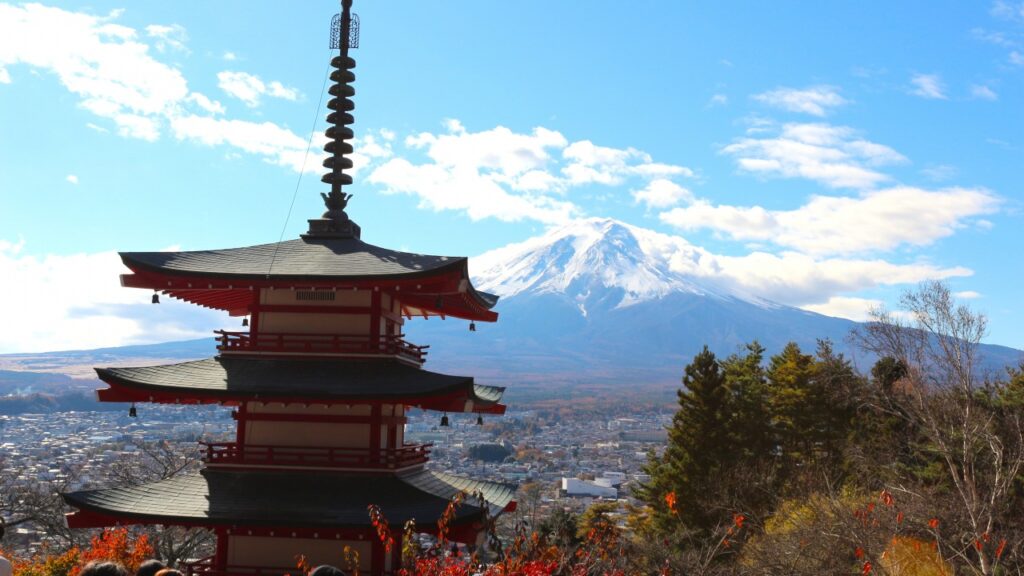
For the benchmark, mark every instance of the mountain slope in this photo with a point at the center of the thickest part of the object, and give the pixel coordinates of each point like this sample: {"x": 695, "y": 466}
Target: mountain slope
{"x": 600, "y": 301}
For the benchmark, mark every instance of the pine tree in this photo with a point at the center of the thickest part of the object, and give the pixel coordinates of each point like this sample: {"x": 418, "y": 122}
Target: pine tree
{"x": 684, "y": 479}
{"x": 790, "y": 395}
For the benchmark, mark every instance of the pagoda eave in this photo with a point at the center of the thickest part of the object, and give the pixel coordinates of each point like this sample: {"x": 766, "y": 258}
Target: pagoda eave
{"x": 441, "y": 295}
{"x": 231, "y": 381}
{"x": 456, "y": 403}
{"x": 254, "y": 500}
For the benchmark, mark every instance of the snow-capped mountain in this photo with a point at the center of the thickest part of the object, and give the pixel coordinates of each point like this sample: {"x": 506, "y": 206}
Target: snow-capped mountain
{"x": 600, "y": 262}
{"x": 599, "y": 301}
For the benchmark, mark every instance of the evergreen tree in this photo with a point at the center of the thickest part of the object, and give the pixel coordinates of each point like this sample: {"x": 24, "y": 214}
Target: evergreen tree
{"x": 790, "y": 400}
{"x": 698, "y": 442}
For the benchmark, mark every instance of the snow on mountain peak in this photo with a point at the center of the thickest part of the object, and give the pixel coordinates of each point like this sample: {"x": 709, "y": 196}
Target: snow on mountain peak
{"x": 591, "y": 260}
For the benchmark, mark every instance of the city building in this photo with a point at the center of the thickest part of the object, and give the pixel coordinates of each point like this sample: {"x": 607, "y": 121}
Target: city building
{"x": 321, "y": 383}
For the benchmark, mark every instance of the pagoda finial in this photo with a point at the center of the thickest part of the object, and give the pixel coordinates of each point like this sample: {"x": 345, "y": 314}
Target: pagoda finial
{"x": 335, "y": 222}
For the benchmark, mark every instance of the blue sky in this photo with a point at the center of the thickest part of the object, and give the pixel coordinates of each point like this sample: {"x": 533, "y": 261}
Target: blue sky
{"x": 826, "y": 155}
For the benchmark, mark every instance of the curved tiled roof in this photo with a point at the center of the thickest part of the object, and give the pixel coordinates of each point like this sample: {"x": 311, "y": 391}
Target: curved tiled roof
{"x": 306, "y": 258}
{"x": 266, "y": 378}
{"x": 299, "y": 499}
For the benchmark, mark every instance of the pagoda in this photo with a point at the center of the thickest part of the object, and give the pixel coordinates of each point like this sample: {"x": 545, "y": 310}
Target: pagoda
{"x": 321, "y": 385}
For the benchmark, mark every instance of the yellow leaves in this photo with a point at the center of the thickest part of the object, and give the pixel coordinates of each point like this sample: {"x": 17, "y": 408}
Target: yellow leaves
{"x": 908, "y": 556}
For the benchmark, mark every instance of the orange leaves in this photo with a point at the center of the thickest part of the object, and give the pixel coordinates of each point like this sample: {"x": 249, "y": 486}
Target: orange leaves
{"x": 933, "y": 523}
{"x": 886, "y": 498}
{"x": 738, "y": 519}
{"x": 380, "y": 524}
{"x": 670, "y": 501}
{"x": 116, "y": 546}
{"x": 1000, "y": 548}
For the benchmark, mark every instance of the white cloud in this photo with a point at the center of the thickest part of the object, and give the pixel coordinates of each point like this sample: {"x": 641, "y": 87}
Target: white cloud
{"x": 877, "y": 220}
{"x": 117, "y": 77}
{"x": 662, "y": 193}
{"x": 992, "y": 37}
{"x": 589, "y": 163}
{"x": 928, "y": 86}
{"x": 72, "y": 179}
{"x": 171, "y": 37}
{"x": 801, "y": 280}
{"x": 815, "y": 100}
{"x": 831, "y": 155}
{"x": 857, "y": 309}
{"x": 967, "y": 295}
{"x": 43, "y": 312}
{"x": 1008, "y": 10}
{"x": 499, "y": 173}
{"x": 230, "y": 56}
{"x": 5, "y": 76}
{"x": 250, "y": 88}
{"x": 982, "y": 92}
{"x": 103, "y": 63}
{"x": 718, "y": 100}
{"x": 275, "y": 144}
{"x": 939, "y": 172}
{"x": 1016, "y": 58}
{"x": 211, "y": 106}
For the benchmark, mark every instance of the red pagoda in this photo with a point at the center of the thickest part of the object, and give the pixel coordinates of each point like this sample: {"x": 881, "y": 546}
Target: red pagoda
{"x": 321, "y": 384}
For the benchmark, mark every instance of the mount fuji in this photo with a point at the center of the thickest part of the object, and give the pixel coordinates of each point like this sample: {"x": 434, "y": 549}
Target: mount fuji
{"x": 601, "y": 301}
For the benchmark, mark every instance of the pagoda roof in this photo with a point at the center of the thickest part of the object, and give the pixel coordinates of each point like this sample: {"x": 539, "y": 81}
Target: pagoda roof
{"x": 292, "y": 499}
{"x": 304, "y": 258}
{"x": 233, "y": 379}
{"x": 223, "y": 279}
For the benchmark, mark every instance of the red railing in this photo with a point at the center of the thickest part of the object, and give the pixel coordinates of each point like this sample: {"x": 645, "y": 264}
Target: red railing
{"x": 262, "y": 455}
{"x": 341, "y": 344}
{"x": 206, "y": 567}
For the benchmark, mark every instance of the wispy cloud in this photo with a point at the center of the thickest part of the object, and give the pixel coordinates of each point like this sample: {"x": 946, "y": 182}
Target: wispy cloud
{"x": 662, "y": 193}
{"x": 815, "y": 100}
{"x": 982, "y": 92}
{"x": 250, "y": 88}
{"x": 167, "y": 38}
{"x": 718, "y": 100}
{"x": 72, "y": 178}
{"x": 928, "y": 86}
{"x": 831, "y": 155}
{"x": 507, "y": 175}
{"x": 874, "y": 221}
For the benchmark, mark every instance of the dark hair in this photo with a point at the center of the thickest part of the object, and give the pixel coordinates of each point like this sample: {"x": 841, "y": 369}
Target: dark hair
{"x": 150, "y": 568}
{"x": 95, "y": 568}
{"x": 327, "y": 570}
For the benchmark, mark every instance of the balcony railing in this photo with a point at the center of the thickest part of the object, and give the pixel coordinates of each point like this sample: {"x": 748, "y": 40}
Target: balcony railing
{"x": 336, "y": 344}
{"x": 261, "y": 455}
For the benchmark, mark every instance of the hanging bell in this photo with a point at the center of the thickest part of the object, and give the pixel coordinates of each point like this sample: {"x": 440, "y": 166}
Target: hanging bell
{"x": 472, "y": 326}
{"x": 479, "y": 420}
{"x": 132, "y": 412}
{"x": 444, "y": 421}
{"x": 245, "y": 321}
{"x": 156, "y": 297}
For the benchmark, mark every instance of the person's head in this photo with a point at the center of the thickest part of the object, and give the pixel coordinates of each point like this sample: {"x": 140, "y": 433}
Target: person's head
{"x": 169, "y": 572}
{"x": 150, "y": 568}
{"x": 95, "y": 568}
{"x": 327, "y": 570}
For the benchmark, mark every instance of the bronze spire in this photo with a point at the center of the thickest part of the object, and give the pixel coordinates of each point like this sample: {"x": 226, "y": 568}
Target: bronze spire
{"x": 344, "y": 36}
